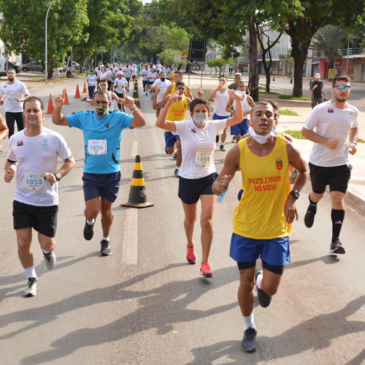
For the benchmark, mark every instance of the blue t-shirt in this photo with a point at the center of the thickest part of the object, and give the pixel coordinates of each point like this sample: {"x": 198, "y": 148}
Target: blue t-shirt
{"x": 102, "y": 138}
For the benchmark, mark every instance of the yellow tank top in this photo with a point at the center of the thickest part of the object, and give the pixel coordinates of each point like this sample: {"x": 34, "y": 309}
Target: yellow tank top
{"x": 266, "y": 185}
{"x": 177, "y": 110}
{"x": 173, "y": 90}
{"x": 172, "y": 77}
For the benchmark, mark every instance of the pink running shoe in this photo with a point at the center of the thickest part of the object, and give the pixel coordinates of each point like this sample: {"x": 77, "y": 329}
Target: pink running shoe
{"x": 190, "y": 255}
{"x": 205, "y": 270}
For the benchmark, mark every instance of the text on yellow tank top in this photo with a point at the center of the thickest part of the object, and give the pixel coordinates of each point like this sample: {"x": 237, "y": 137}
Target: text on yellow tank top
{"x": 173, "y": 90}
{"x": 266, "y": 185}
{"x": 177, "y": 111}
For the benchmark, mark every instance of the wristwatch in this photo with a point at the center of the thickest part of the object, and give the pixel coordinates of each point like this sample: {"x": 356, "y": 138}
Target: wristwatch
{"x": 58, "y": 176}
{"x": 295, "y": 193}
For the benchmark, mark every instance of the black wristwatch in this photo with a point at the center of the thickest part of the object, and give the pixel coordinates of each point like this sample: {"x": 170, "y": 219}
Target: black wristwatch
{"x": 295, "y": 193}
{"x": 58, "y": 176}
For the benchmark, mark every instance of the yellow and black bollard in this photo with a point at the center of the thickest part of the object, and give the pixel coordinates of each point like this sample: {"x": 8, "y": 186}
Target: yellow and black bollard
{"x": 135, "y": 94}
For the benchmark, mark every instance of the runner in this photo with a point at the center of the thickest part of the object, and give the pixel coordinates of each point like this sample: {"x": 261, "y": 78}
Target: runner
{"x": 198, "y": 171}
{"x": 4, "y": 131}
{"x": 139, "y": 69}
{"x": 32, "y": 158}
{"x": 171, "y": 89}
{"x": 152, "y": 76}
{"x": 127, "y": 74}
{"x": 110, "y": 78}
{"x": 145, "y": 81}
{"x": 119, "y": 84}
{"x": 220, "y": 95}
{"x": 98, "y": 72}
{"x": 102, "y": 131}
{"x": 91, "y": 80}
{"x": 134, "y": 72}
{"x": 336, "y": 123}
{"x": 241, "y": 129}
{"x": 12, "y": 94}
{"x": 164, "y": 84}
{"x": 262, "y": 220}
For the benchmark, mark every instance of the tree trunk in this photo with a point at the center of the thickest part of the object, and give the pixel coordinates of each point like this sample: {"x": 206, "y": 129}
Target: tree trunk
{"x": 50, "y": 69}
{"x": 267, "y": 68}
{"x": 253, "y": 76}
{"x": 299, "y": 53}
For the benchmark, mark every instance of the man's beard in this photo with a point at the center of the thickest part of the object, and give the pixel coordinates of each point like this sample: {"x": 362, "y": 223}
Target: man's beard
{"x": 11, "y": 79}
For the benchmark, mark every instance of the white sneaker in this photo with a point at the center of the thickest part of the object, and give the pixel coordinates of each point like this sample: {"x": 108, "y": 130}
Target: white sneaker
{"x": 31, "y": 288}
{"x": 50, "y": 259}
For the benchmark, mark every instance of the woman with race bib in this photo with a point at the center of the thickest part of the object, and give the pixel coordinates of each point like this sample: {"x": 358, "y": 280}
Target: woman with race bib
{"x": 198, "y": 171}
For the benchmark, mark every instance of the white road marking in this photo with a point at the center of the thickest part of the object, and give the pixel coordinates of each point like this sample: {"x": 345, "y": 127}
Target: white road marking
{"x": 130, "y": 252}
{"x": 134, "y": 149}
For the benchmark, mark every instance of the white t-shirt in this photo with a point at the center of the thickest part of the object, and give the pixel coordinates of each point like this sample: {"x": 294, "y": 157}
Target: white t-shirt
{"x": 220, "y": 103}
{"x": 127, "y": 72}
{"x": 103, "y": 76}
{"x": 164, "y": 85}
{"x": 197, "y": 146}
{"x": 144, "y": 75}
{"x": 98, "y": 71}
{"x": 152, "y": 76}
{"x": 245, "y": 106}
{"x": 159, "y": 67}
{"x": 134, "y": 71}
{"x": 167, "y": 70}
{"x": 122, "y": 82}
{"x": 110, "y": 73}
{"x": 35, "y": 156}
{"x": 115, "y": 71}
{"x": 91, "y": 79}
{"x": 331, "y": 122}
{"x": 11, "y": 91}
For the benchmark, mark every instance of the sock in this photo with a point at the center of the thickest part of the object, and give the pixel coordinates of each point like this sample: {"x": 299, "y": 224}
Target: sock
{"x": 216, "y": 139}
{"x": 312, "y": 206}
{"x": 90, "y": 223}
{"x": 337, "y": 217}
{"x": 30, "y": 271}
{"x": 258, "y": 280}
{"x": 46, "y": 252}
{"x": 249, "y": 321}
{"x": 105, "y": 239}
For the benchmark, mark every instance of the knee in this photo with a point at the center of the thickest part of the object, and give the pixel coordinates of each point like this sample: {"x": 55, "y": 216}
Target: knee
{"x": 24, "y": 244}
{"x": 247, "y": 285}
{"x": 106, "y": 212}
{"x": 91, "y": 212}
{"x": 207, "y": 223}
{"x": 190, "y": 221}
{"x": 270, "y": 290}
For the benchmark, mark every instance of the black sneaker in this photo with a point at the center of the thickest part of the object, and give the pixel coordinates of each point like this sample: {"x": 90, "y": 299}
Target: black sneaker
{"x": 264, "y": 299}
{"x": 309, "y": 219}
{"x": 336, "y": 247}
{"x": 221, "y": 147}
{"x": 88, "y": 231}
{"x": 248, "y": 343}
{"x": 216, "y": 139}
{"x": 105, "y": 248}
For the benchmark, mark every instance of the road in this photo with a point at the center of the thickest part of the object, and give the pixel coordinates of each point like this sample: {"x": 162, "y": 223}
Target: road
{"x": 145, "y": 305}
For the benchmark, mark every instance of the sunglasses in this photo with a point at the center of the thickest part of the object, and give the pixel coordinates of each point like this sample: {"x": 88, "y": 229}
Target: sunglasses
{"x": 343, "y": 87}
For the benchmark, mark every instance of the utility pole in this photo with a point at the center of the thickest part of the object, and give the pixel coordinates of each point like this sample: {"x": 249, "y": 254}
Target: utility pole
{"x": 46, "y": 36}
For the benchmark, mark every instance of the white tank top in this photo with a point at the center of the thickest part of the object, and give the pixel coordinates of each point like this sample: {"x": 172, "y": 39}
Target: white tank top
{"x": 245, "y": 104}
{"x": 220, "y": 103}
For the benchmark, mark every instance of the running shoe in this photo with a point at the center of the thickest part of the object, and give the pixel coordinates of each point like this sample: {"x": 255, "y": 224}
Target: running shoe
{"x": 336, "y": 247}
{"x": 205, "y": 270}
{"x": 50, "y": 259}
{"x": 88, "y": 231}
{"x": 31, "y": 288}
{"x": 264, "y": 299}
{"x": 234, "y": 139}
{"x": 174, "y": 156}
{"x": 105, "y": 248}
{"x": 221, "y": 147}
{"x": 176, "y": 172}
{"x": 146, "y": 94}
{"x": 309, "y": 219}
{"x": 248, "y": 343}
{"x": 190, "y": 255}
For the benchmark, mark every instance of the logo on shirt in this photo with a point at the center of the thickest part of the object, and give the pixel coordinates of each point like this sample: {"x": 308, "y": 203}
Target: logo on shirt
{"x": 193, "y": 130}
{"x": 351, "y": 114}
{"x": 279, "y": 163}
{"x": 19, "y": 143}
{"x": 330, "y": 110}
{"x": 45, "y": 144}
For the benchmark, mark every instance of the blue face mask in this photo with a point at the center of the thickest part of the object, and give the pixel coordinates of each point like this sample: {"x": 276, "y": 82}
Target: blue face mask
{"x": 100, "y": 111}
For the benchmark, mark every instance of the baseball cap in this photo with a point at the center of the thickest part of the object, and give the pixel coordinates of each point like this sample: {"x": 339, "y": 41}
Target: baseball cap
{"x": 238, "y": 74}
{"x": 120, "y": 73}
{"x": 317, "y": 75}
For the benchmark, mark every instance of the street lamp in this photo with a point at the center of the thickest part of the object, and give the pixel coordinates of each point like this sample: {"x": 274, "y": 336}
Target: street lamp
{"x": 46, "y": 63}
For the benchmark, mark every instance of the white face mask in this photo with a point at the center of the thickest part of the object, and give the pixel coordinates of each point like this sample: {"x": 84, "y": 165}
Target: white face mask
{"x": 262, "y": 139}
{"x": 242, "y": 92}
{"x": 200, "y": 118}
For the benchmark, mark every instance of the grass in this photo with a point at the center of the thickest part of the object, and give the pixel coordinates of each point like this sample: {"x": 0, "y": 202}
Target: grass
{"x": 270, "y": 93}
{"x": 41, "y": 79}
{"x": 210, "y": 100}
{"x": 288, "y": 112}
{"x": 289, "y": 97}
{"x": 295, "y": 134}
{"x": 359, "y": 140}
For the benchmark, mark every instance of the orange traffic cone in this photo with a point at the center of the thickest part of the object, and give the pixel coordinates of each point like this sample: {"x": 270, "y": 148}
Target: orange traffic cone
{"x": 50, "y": 105}
{"x": 137, "y": 193}
{"x": 85, "y": 89}
{"x": 77, "y": 94}
{"x": 65, "y": 97}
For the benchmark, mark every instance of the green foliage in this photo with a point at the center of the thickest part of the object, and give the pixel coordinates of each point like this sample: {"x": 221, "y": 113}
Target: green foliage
{"x": 290, "y": 97}
{"x": 167, "y": 56}
{"x": 217, "y": 62}
{"x": 294, "y": 133}
{"x": 288, "y": 112}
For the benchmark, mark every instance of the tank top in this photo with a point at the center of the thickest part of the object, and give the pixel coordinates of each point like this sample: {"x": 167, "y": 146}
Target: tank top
{"x": 220, "y": 103}
{"x": 177, "y": 110}
{"x": 245, "y": 104}
{"x": 173, "y": 90}
{"x": 266, "y": 185}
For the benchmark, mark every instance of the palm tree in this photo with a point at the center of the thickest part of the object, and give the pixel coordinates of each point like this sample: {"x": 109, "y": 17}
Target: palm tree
{"x": 328, "y": 40}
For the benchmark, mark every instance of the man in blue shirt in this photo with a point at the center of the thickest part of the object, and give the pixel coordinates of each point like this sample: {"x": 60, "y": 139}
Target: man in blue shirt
{"x": 102, "y": 129}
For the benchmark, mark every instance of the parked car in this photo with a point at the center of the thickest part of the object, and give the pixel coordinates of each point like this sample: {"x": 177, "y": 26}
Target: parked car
{"x": 32, "y": 66}
{"x": 75, "y": 66}
{"x": 5, "y": 65}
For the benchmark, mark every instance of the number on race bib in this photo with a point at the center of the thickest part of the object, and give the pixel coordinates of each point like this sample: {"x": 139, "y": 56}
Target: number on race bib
{"x": 33, "y": 180}
{"x": 97, "y": 146}
{"x": 203, "y": 158}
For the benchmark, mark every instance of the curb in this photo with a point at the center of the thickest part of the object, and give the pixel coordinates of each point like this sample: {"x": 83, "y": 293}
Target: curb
{"x": 355, "y": 199}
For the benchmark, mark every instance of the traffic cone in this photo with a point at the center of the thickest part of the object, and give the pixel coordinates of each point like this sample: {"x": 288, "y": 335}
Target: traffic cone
{"x": 137, "y": 193}
{"x": 65, "y": 97}
{"x": 85, "y": 89}
{"x": 77, "y": 94}
{"x": 50, "y": 108}
{"x": 135, "y": 94}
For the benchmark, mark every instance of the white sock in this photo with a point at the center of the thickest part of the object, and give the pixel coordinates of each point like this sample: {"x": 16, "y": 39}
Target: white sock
{"x": 46, "y": 251}
{"x": 90, "y": 223}
{"x": 105, "y": 238}
{"x": 30, "y": 271}
{"x": 258, "y": 280}
{"x": 249, "y": 321}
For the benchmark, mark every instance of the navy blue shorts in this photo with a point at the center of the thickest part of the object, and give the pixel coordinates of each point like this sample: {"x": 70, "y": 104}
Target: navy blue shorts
{"x": 145, "y": 82}
{"x": 170, "y": 139}
{"x": 101, "y": 185}
{"x": 240, "y": 128}
{"x": 190, "y": 190}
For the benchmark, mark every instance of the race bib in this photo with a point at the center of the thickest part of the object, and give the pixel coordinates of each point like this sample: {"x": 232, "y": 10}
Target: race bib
{"x": 97, "y": 147}
{"x": 204, "y": 158}
{"x": 33, "y": 180}
{"x": 12, "y": 99}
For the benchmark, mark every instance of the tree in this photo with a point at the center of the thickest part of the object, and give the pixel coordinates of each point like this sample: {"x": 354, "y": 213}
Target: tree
{"x": 23, "y": 29}
{"x": 328, "y": 40}
{"x": 217, "y": 62}
{"x": 167, "y": 56}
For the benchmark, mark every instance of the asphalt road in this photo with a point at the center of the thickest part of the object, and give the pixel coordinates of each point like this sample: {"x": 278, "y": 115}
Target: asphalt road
{"x": 145, "y": 305}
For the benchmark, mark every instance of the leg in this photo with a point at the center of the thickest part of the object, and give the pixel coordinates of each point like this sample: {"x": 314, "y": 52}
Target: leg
{"x": 170, "y": 150}
{"x": 238, "y": 137}
{"x": 92, "y": 209}
{"x": 179, "y": 153}
{"x": 224, "y": 135}
{"x": 106, "y": 216}
{"x": 314, "y": 197}
{"x": 191, "y": 212}
{"x": 24, "y": 240}
{"x": 47, "y": 243}
{"x": 245, "y": 291}
{"x": 338, "y": 200}
{"x": 206, "y": 222}
{"x": 270, "y": 282}
{"x": 10, "y": 121}
{"x": 337, "y": 215}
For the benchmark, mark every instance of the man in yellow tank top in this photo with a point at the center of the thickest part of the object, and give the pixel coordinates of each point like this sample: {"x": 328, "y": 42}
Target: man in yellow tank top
{"x": 262, "y": 220}
{"x": 178, "y": 76}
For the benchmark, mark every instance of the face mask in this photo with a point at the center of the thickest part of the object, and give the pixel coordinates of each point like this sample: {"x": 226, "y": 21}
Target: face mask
{"x": 261, "y": 139}
{"x": 200, "y": 118}
{"x": 242, "y": 92}
{"x": 100, "y": 110}
{"x": 163, "y": 79}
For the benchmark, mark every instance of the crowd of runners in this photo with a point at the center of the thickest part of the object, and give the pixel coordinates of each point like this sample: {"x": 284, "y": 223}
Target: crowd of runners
{"x": 272, "y": 170}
